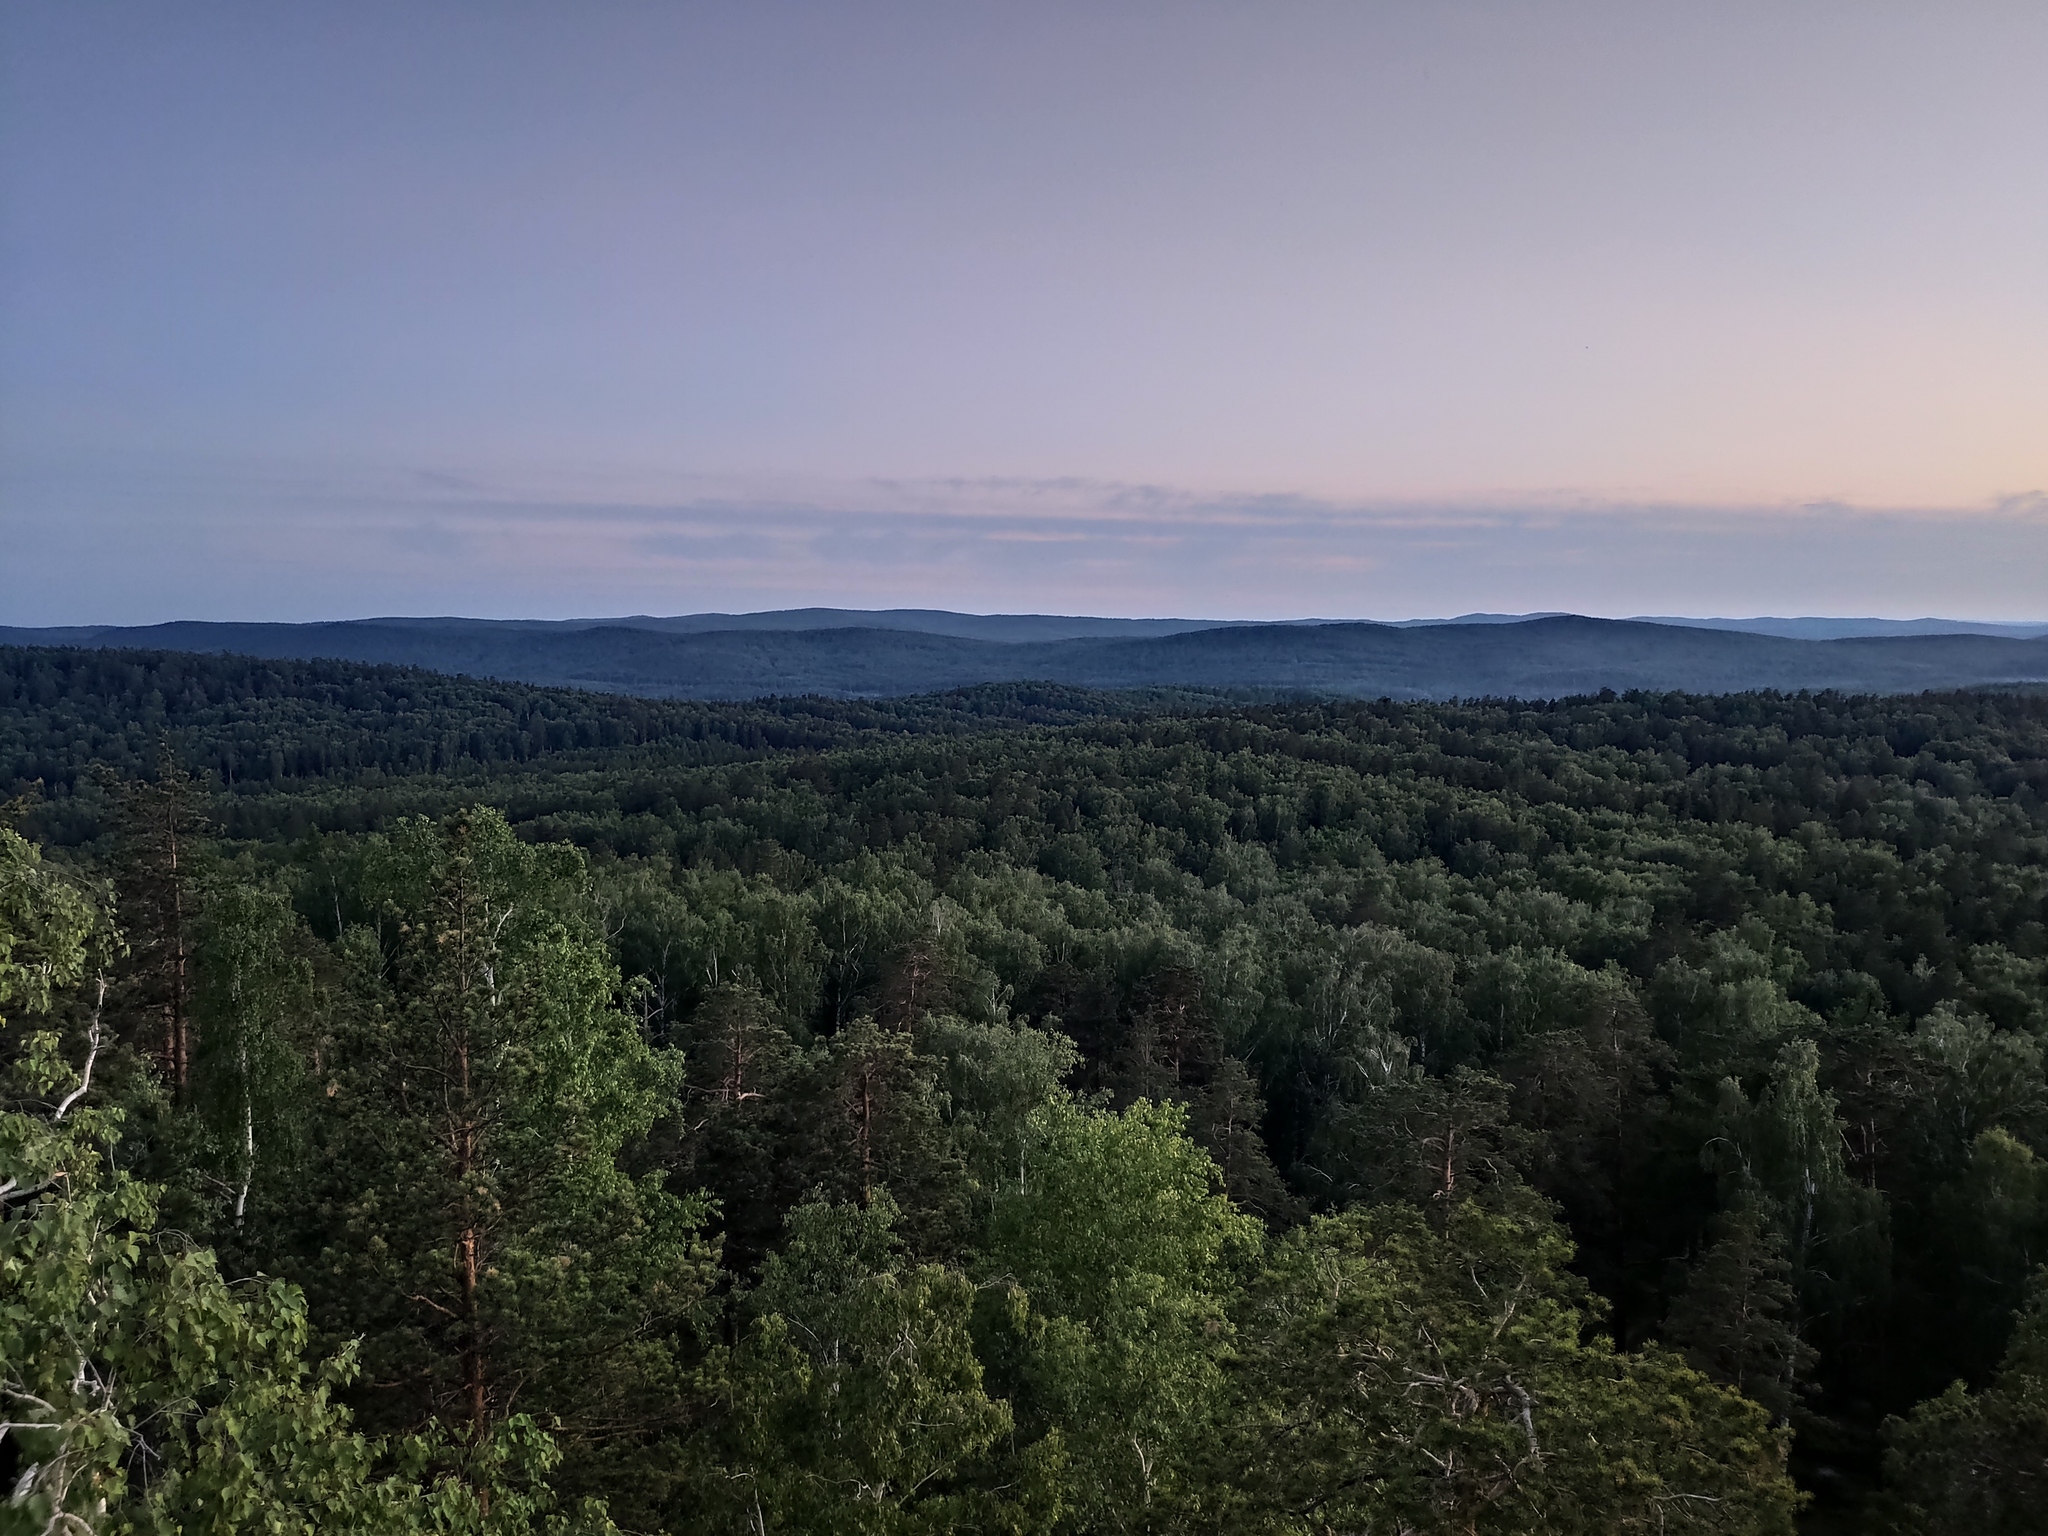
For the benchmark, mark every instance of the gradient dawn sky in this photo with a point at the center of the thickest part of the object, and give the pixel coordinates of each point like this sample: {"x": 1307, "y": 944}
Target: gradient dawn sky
{"x": 315, "y": 310}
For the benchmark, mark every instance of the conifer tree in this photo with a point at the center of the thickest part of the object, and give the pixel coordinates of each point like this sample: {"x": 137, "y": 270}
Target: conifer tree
{"x": 479, "y": 1233}
{"x": 1226, "y": 1119}
{"x": 160, "y": 862}
{"x": 1994, "y": 1229}
{"x": 866, "y": 1120}
{"x": 740, "y": 1067}
{"x": 1592, "y": 1096}
{"x": 1172, "y": 1052}
{"x": 1431, "y": 1140}
{"x": 1737, "y": 1319}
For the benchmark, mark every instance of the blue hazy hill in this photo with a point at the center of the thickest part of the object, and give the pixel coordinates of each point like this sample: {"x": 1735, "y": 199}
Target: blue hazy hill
{"x": 849, "y": 654}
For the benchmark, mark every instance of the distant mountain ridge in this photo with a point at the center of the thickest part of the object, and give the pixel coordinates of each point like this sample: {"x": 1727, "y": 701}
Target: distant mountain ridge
{"x": 912, "y": 651}
{"x": 1857, "y": 629}
{"x": 1009, "y": 628}
{"x": 1002, "y": 628}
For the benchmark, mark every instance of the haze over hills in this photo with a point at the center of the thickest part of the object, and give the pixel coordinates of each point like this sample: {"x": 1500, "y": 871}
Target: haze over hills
{"x": 1010, "y": 628}
{"x": 998, "y": 627}
{"x": 848, "y": 654}
{"x": 1856, "y": 629}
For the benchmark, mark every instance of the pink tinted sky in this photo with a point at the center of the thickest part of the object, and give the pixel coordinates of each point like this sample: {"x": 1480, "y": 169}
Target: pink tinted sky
{"x": 1241, "y": 310}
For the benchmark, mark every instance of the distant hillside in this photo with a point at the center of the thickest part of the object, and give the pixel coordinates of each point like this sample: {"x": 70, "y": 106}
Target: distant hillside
{"x": 1852, "y": 629}
{"x": 1535, "y": 658}
{"x": 252, "y": 724}
{"x": 1002, "y": 628}
{"x": 1552, "y": 658}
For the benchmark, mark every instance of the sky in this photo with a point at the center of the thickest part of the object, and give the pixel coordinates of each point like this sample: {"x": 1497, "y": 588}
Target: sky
{"x": 1255, "y": 310}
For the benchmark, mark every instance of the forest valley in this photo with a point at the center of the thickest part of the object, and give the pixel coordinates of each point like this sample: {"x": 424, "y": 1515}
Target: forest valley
{"x": 434, "y": 1106}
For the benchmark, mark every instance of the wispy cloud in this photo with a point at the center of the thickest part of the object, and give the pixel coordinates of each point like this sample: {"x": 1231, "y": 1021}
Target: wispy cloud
{"x": 144, "y": 541}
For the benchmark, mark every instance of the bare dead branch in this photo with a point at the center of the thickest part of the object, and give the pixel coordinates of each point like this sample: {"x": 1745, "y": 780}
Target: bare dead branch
{"x": 92, "y": 1052}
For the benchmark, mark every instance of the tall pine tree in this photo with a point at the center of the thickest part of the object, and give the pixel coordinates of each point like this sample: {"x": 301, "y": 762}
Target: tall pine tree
{"x": 475, "y": 1227}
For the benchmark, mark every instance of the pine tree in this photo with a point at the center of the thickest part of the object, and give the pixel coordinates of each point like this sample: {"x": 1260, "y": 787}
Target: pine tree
{"x": 864, "y": 1120}
{"x": 740, "y": 1070}
{"x": 1737, "y": 1319}
{"x": 477, "y": 1230}
{"x": 160, "y": 861}
{"x": 1170, "y": 1049}
{"x": 1226, "y": 1119}
{"x": 1591, "y": 1096}
{"x": 1435, "y": 1141}
{"x": 1993, "y": 1235}
{"x": 1171, "y": 1052}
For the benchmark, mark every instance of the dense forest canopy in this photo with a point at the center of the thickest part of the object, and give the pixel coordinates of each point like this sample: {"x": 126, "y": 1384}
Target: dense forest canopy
{"x": 444, "y": 1105}
{"x": 244, "y": 720}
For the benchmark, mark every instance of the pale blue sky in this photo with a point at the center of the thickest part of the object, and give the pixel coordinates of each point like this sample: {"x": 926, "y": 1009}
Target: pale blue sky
{"x": 1241, "y": 310}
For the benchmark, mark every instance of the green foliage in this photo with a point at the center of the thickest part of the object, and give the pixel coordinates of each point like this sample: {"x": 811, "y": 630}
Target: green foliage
{"x": 1116, "y": 1233}
{"x": 1976, "y": 1464}
{"x": 255, "y": 1004}
{"x": 1396, "y": 1377}
{"x": 257, "y": 724}
{"x": 138, "y": 1391}
{"x": 1783, "y": 1152}
{"x": 470, "y": 1218}
{"x": 147, "y": 1395}
{"x": 1993, "y": 1227}
{"x": 1738, "y": 1317}
{"x": 994, "y": 1077}
{"x": 1432, "y": 1140}
{"x": 857, "y": 1402}
{"x": 1978, "y": 1078}
{"x": 47, "y": 930}
{"x": 1085, "y": 1008}
{"x": 872, "y": 1125}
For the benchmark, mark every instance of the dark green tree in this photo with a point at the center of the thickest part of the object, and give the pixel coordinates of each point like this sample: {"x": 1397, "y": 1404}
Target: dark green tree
{"x": 1397, "y": 1374}
{"x": 1738, "y": 1316}
{"x": 1593, "y": 1095}
{"x": 855, "y": 1401}
{"x": 741, "y": 1068}
{"x": 1976, "y": 1464}
{"x": 1431, "y": 1140}
{"x": 161, "y": 859}
{"x": 1991, "y": 1237}
{"x": 139, "y": 1392}
{"x": 474, "y": 1225}
{"x": 1783, "y": 1152}
{"x": 865, "y": 1119}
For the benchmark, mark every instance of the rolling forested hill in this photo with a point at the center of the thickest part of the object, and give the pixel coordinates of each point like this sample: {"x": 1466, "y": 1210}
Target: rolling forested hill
{"x": 1035, "y": 1109}
{"x": 845, "y": 655}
